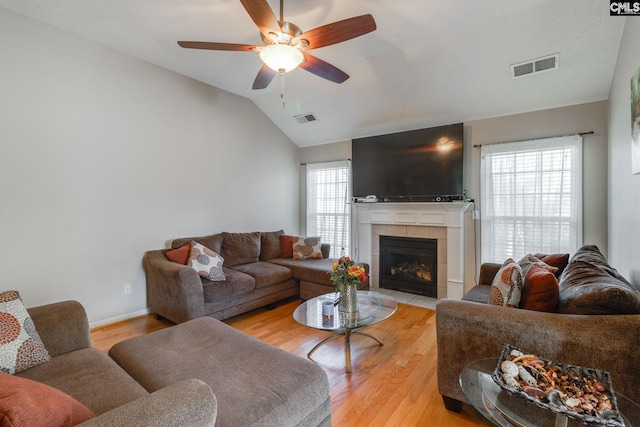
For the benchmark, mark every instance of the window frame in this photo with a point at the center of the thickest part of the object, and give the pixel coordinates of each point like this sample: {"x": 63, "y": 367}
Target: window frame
{"x": 543, "y": 162}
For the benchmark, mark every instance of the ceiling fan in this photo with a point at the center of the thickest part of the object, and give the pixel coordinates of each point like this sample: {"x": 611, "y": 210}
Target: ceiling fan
{"x": 285, "y": 45}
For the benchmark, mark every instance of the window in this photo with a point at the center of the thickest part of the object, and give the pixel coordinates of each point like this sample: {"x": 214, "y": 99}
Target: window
{"x": 531, "y": 197}
{"x": 327, "y": 204}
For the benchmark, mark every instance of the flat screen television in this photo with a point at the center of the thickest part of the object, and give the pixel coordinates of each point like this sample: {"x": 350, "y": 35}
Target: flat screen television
{"x": 421, "y": 165}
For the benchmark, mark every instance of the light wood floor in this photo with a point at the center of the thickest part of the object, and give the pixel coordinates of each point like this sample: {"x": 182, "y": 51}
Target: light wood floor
{"x": 391, "y": 385}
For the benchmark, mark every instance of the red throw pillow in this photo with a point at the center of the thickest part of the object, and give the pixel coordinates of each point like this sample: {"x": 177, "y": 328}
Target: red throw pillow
{"x": 540, "y": 291}
{"x": 180, "y": 255}
{"x": 286, "y": 242}
{"x": 555, "y": 260}
{"x": 24, "y": 402}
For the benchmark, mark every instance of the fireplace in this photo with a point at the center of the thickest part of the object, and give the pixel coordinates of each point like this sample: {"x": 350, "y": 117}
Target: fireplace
{"x": 409, "y": 265}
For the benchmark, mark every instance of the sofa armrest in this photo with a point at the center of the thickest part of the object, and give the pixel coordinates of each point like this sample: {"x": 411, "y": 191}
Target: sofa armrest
{"x": 174, "y": 290}
{"x": 488, "y": 271}
{"x": 63, "y": 326}
{"x": 186, "y": 403}
{"x": 325, "y": 248}
{"x": 467, "y": 331}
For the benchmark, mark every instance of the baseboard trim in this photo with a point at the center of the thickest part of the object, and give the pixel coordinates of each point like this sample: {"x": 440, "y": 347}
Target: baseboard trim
{"x": 120, "y": 318}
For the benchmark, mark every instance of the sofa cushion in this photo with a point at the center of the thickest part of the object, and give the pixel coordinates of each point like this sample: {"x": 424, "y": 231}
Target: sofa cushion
{"x": 479, "y": 293}
{"x": 212, "y": 241}
{"x": 540, "y": 290}
{"x": 255, "y": 383}
{"x": 20, "y": 345}
{"x": 240, "y": 248}
{"x": 24, "y": 402}
{"x": 206, "y": 262}
{"x": 265, "y": 273}
{"x": 310, "y": 270}
{"x": 506, "y": 287}
{"x": 557, "y": 260}
{"x": 306, "y": 247}
{"x": 89, "y": 376}
{"x": 589, "y": 285}
{"x": 286, "y": 245}
{"x": 180, "y": 255}
{"x": 270, "y": 246}
{"x": 235, "y": 283}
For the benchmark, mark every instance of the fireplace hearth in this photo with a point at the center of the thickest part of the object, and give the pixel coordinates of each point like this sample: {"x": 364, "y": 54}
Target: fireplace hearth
{"x": 409, "y": 265}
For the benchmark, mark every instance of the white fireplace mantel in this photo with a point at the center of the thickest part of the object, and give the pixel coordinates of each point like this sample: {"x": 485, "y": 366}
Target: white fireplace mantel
{"x": 455, "y": 217}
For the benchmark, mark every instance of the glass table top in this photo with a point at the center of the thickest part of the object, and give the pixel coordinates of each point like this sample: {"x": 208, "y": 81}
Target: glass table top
{"x": 503, "y": 409}
{"x": 373, "y": 307}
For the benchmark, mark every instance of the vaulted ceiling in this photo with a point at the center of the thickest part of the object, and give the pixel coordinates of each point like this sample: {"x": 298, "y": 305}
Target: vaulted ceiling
{"x": 428, "y": 63}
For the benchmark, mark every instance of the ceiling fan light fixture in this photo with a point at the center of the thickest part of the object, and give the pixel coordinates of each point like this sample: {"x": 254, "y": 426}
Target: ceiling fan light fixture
{"x": 281, "y": 57}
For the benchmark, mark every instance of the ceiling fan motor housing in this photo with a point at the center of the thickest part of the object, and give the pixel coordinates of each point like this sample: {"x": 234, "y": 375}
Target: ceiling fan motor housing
{"x": 289, "y": 32}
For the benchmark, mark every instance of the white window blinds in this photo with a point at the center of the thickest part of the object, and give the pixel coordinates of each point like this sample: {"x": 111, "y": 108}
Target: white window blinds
{"x": 531, "y": 197}
{"x": 327, "y": 204}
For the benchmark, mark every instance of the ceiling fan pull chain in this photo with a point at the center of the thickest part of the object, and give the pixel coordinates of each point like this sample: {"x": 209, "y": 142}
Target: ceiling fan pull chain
{"x": 282, "y": 87}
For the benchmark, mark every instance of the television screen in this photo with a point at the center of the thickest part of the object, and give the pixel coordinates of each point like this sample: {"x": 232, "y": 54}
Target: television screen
{"x": 418, "y": 165}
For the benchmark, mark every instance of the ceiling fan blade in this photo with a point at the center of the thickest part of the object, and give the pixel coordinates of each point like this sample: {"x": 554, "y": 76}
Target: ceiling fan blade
{"x": 218, "y": 46}
{"x": 262, "y": 15}
{"x": 323, "y": 69}
{"x": 264, "y": 77}
{"x": 337, "y": 32}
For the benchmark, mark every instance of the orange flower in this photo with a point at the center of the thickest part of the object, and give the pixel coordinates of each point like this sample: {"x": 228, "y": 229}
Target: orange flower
{"x": 347, "y": 273}
{"x": 356, "y": 271}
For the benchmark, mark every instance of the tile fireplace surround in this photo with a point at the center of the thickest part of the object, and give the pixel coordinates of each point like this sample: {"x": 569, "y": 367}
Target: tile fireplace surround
{"x": 450, "y": 223}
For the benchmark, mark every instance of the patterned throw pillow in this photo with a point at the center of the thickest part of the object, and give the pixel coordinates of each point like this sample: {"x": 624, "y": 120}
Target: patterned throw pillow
{"x": 306, "y": 247}
{"x": 20, "y": 345}
{"x": 506, "y": 287}
{"x": 206, "y": 262}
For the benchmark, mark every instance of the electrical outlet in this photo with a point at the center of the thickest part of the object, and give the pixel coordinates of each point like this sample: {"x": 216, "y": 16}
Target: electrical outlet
{"x": 127, "y": 288}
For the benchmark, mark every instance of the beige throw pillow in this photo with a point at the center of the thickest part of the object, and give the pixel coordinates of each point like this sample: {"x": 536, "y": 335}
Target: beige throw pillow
{"x": 20, "y": 345}
{"x": 206, "y": 262}
{"x": 506, "y": 288}
{"x": 306, "y": 248}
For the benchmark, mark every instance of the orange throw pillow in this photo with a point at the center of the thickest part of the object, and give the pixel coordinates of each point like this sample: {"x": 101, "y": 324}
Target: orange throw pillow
{"x": 540, "y": 291}
{"x": 286, "y": 242}
{"x": 180, "y": 255}
{"x": 24, "y": 402}
{"x": 559, "y": 261}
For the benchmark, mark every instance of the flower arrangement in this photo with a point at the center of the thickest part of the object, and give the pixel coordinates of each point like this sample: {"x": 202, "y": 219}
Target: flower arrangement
{"x": 346, "y": 272}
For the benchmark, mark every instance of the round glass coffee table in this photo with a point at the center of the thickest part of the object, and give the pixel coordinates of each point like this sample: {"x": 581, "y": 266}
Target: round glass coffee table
{"x": 506, "y": 410}
{"x": 373, "y": 308}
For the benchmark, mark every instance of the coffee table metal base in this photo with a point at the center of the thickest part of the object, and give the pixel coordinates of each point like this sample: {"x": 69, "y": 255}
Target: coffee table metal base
{"x": 347, "y": 345}
{"x": 373, "y": 308}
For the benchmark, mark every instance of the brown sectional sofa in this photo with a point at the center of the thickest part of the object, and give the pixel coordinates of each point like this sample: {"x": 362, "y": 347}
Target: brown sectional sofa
{"x": 256, "y": 275}
{"x": 199, "y": 373}
{"x": 95, "y": 380}
{"x": 471, "y": 329}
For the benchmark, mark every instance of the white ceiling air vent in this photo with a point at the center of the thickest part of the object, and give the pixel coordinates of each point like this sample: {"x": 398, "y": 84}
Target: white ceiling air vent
{"x": 305, "y": 118}
{"x": 534, "y": 66}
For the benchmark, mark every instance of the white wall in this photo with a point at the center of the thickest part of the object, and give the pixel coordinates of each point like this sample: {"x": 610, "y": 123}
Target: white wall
{"x": 624, "y": 188}
{"x": 103, "y": 157}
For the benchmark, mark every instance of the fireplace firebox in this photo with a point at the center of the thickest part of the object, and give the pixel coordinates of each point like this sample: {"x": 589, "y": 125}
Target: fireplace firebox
{"x": 409, "y": 265}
